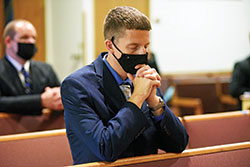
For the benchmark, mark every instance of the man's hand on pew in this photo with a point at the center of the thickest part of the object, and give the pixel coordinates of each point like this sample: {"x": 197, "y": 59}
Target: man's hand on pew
{"x": 51, "y": 99}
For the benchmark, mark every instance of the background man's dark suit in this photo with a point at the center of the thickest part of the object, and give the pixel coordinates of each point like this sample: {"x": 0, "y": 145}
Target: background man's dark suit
{"x": 12, "y": 93}
{"x": 240, "y": 82}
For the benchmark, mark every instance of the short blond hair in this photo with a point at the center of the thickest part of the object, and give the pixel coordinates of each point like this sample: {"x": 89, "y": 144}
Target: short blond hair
{"x": 123, "y": 18}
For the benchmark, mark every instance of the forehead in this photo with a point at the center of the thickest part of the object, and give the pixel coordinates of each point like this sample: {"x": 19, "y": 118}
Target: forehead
{"x": 25, "y": 28}
{"x": 135, "y": 36}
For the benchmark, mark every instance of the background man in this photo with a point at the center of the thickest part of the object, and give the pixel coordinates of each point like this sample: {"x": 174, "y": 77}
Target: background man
{"x": 240, "y": 82}
{"x": 26, "y": 86}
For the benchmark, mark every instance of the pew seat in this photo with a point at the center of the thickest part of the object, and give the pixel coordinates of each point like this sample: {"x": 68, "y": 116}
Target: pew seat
{"x": 47, "y": 148}
{"x": 218, "y": 128}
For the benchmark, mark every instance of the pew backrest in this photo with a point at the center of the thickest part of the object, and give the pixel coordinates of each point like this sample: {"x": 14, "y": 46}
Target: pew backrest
{"x": 9, "y": 124}
{"x": 14, "y": 123}
{"x": 198, "y": 87}
{"x": 211, "y": 88}
{"x": 218, "y": 128}
{"x": 47, "y": 148}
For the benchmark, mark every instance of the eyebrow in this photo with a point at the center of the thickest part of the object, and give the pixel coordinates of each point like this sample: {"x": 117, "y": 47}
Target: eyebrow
{"x": 137, "y": 44}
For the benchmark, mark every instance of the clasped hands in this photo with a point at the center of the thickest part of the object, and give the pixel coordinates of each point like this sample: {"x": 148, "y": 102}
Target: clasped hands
{"x": 51, "y": 98}
{"x": 145, "y": 83}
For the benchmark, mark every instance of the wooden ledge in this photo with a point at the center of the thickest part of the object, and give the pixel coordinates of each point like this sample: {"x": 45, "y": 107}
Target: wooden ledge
{"x": 45, "y": 111}
{"x": 216, "y": 115}
{"x": 157, "y": 157}
{"x": 33, "y": 135}
{"x": 9, "y": 115}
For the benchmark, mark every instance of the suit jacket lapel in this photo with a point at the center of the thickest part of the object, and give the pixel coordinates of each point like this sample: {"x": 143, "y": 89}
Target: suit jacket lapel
{"x": 108, "y": 85}
{"x": 13, "y": 77}
{"x": 35, "y": 80}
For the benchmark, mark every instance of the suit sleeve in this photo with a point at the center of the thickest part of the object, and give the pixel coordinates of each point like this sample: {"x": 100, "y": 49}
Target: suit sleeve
{"x": 107, "y": 140}
{"x": 22, "y": 104}
{"x": 53, "y": 79}
{"x": 171, "y": 134}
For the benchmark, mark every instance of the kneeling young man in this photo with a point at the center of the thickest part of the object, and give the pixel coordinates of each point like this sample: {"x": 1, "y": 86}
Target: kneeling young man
{"x": 103, "y": 121}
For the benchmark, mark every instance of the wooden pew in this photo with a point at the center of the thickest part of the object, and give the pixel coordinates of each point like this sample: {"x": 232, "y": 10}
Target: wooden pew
{"x": 14, "y": 123}
{"x": 218, "y": 128}
{"x": 177, "y": 102}
{"x": 47, "y": 148}
{"x": 227, "y": 102}
{"x": 9, "y": 124}
{"x": 211, "y": 89}
{"x": 199, "y": 87}
{"x": 233, "y": 155}
{"x": 192, "y": 103}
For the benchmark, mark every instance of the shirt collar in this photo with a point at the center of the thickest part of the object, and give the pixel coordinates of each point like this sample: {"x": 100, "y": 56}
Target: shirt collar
{"x": 114, "y": 73}
{"x": 17, "y": 65}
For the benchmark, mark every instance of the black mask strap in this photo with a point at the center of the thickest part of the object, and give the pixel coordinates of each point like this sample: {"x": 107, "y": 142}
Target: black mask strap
{"x": 112, "y": 40}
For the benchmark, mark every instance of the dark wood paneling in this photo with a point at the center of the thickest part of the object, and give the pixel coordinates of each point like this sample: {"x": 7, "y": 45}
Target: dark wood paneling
{"x": 33, "y": 10}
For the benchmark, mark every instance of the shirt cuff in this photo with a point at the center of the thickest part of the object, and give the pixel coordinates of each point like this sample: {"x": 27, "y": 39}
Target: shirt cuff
{"x": 160, "y": 117}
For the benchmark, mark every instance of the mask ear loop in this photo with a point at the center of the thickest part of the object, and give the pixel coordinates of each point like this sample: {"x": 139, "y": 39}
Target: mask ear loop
{"x": 112, "y": 40}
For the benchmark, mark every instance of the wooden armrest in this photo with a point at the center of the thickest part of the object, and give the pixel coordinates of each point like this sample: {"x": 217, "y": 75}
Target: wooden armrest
{"x": 188, "y": 102}
{"x": 227, "y": 99}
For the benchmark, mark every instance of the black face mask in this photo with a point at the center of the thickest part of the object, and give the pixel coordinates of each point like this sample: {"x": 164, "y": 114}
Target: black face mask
{"x": 129, "y": 61}
{"x": 26, "y": 50}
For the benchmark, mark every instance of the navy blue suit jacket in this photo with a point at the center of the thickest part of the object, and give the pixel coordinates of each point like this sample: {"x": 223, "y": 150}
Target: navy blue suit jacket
{"x": 102, "y": 126}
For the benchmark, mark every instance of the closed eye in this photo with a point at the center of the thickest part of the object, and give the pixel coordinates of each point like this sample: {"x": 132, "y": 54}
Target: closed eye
{"x": 133, "y": 48}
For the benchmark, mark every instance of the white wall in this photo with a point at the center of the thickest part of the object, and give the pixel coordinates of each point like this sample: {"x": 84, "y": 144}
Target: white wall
{"x": 199, "y": 35}
{"x": 191, "y": 35}
{"x": 69, "y": 39}
{"x": 246, "y": 9}
{"x": 89, "y": 34}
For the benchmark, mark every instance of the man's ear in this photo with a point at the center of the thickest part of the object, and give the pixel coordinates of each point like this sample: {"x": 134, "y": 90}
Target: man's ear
{"x": 7, "y": 40}
{"x": 109, "y": 45}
